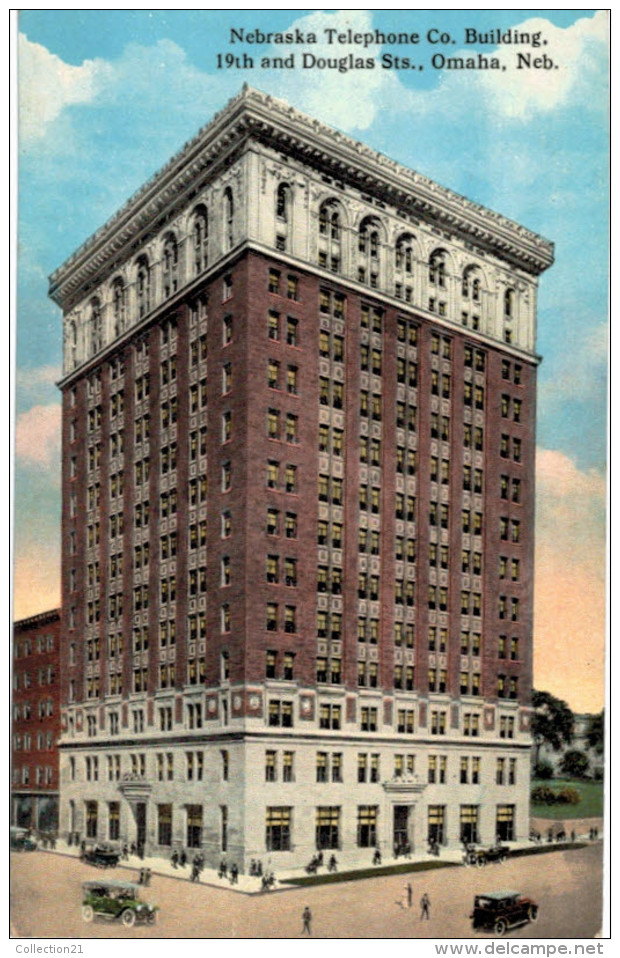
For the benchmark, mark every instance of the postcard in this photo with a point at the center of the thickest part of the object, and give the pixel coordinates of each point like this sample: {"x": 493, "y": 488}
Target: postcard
{"x": 310, "y": 476}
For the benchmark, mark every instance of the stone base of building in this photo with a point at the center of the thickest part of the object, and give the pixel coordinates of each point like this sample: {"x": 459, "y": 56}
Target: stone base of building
{"x": 282, "y": 800}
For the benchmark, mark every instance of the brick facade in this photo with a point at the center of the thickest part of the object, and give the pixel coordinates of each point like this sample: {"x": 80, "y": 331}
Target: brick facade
{"x": 36, "y": 721}
{"x": 322, "y": 418}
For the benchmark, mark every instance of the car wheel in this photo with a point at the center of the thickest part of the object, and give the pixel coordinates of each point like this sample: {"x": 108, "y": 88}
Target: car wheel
{"x": 480, "y": 862}
{"x": 87, "y": 913}
{"x": 500, "y": 926}
{"x": 128, "y": 918}
{"x": 151, "y": 918}
{"x": 532, "y": 913}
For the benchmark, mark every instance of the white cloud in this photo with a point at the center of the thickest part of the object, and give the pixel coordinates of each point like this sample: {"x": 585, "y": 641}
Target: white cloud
{"x": 36, "y": 582}
{"x": 47, "y": 85}
{"x": 37, "y": 437}
{"x": 344, "y": 98}
{"x": 569, "y": 596}
{"x": 576, "y": 52}
{"x": 352, "y": 100}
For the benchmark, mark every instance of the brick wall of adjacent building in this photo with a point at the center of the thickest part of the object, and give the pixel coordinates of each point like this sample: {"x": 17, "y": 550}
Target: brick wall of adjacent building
{"x": 36, "y": 720}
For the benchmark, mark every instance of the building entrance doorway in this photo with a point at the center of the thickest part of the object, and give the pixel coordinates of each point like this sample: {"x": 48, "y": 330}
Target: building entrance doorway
{"x": 403, "y": 829}
{"x": 140, "y": 826}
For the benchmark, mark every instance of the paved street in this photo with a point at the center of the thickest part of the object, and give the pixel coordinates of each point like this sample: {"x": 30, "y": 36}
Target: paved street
{"x": 46, "y": 900}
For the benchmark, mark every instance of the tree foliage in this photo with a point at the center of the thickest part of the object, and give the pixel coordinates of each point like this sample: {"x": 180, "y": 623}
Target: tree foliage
{"x": 552, "y": 723}
{"x": 575, "y": 763}
{"x": 595, "y": 732}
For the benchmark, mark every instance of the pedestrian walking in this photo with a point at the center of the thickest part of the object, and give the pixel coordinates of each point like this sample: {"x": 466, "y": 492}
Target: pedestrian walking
{"x": 234, "y": 874}
{"x": 409, "y": 895}
{"x": 425, "y": 904}
{"x": 306, "y": 918}
{"x": 183, "y": 858}
{"x": 223, "y": 871}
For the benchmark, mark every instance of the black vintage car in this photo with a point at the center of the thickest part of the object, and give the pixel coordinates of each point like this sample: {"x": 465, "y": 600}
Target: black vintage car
{"x": 480, "y": 857}
{"x": 101, "y": 854}
{"x": 501, "y": 910}
{"x": 21, "y": 840}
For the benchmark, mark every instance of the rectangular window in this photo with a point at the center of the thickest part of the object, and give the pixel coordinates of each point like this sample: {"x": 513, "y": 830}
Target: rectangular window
{"x": 367, "y": 816}
{"x": 270, "y": 766}
{"x": 164, "y": 824}
{"x": 327, "y": 827}
{"x": 288, "y": 767}
{"x": 278, "y": 829}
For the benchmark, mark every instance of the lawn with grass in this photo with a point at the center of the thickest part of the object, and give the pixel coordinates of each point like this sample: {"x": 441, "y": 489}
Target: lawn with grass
{"x": 590, "y": 806}
{"x": 329, "y": 878}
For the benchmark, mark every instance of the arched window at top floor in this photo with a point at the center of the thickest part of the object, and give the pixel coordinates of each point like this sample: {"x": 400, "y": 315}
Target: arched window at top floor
{"x": 143, "y": 285}
{"x": 228, "y": 212}
{"x": 437, "y": 268}
{"x": 283, "y": 202}
{"x": 170, "y": 265}
{"x": 330, "y": 220}
{"x": 368, "y": 237}
{"x": 95, "y": 326}
{"x": 471, "y": 284}
{"x": 403, "y": 253}
{"x": 509, "y": 303}
{"x": 200, "y": 234}
{"x": 118, "y": 305}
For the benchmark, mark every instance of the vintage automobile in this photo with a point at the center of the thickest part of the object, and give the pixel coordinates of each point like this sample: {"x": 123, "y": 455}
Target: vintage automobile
{"x": 482, "y": 856}
{"x": 116, "y": 899}
{"x": 501, "y": 910}
{"x": 101, "y": 854}
{"x": 21, "y": 840}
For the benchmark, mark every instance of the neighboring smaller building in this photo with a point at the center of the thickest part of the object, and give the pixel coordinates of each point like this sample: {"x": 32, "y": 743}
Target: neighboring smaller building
{"x": 36, "y": 721}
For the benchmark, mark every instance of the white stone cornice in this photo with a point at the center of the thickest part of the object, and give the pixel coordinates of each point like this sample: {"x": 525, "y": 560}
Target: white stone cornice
{"x": 260, "y": 116}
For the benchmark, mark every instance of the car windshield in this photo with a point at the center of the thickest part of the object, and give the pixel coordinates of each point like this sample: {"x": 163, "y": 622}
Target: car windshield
{"x": 122, "y": 893}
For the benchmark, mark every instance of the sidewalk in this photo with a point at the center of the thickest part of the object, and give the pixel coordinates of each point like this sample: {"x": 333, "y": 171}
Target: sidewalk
{"x": 249, "y": 885}
{"x": 246, "y": 884}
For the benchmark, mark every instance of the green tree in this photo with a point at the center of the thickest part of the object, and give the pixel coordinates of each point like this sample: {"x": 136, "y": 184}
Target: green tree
{"x": 575, "y": 764}
{"x": 552, "y": 723}
{"x": 595, "y": 732}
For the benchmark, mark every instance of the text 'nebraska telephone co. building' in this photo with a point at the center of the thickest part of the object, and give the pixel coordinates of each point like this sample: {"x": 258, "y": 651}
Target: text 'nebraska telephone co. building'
{"x": 298, "y": 501}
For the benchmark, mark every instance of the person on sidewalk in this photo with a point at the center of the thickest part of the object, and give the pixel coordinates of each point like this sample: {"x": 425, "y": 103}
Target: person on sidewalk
{"x": 306, "y": 917}
{"x": 409, "y": 895}
{"x": 425, "y": 904}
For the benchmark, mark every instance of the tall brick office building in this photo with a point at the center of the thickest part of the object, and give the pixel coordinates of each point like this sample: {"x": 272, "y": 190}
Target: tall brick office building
{"x": 298, "y": 499}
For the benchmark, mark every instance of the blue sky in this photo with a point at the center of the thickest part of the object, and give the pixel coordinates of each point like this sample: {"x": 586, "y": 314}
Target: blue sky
{"x": 107, "y": 96}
